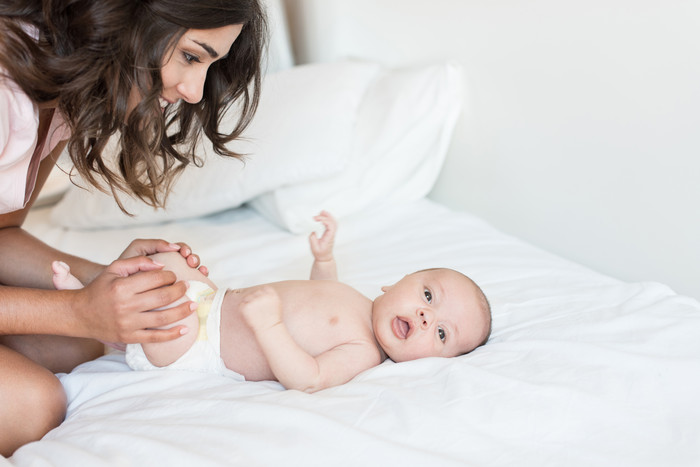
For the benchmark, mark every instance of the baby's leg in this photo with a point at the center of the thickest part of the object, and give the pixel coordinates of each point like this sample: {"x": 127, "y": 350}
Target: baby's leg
{"x": 62, "y": 278}
{"x": 165, "y": 353}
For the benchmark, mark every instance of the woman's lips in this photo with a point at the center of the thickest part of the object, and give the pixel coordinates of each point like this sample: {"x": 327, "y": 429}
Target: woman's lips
{"x": 400, "y": 327}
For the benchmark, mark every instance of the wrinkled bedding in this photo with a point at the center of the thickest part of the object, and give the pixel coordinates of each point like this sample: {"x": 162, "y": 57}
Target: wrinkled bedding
{"x": 581, "y": 369}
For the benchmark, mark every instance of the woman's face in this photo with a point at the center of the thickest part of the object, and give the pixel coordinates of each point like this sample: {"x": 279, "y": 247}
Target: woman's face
{"x": 184, "y": 69}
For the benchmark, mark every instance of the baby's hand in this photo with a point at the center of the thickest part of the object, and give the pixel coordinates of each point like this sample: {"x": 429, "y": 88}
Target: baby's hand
{"x": 262, "y": 309}
{"x": 322, "y": 248}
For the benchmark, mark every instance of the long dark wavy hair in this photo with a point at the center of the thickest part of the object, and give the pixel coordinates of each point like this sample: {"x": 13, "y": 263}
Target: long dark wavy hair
{"x": 89, "y": 56}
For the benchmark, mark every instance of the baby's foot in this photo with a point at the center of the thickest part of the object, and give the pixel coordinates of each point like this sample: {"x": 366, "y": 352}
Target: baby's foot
{"x": 62, "y": 278}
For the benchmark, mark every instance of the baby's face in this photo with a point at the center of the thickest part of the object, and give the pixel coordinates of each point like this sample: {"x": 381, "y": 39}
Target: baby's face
{"x": 432, "y": 313}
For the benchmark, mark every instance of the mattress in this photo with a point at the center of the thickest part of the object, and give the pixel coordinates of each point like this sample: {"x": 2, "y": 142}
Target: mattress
{"x": 581, "y": 369}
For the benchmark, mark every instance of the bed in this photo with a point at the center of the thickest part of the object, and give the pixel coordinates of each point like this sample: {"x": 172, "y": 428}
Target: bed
{"x": 581, "y": 369}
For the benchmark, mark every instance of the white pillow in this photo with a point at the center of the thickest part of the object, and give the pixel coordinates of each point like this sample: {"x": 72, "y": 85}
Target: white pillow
{"x": 403, "y": 130}
{"x": 302, "y": 131}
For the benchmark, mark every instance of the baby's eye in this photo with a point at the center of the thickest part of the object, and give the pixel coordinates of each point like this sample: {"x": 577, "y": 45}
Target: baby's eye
{"x": 441, "y": 333}
{"x": 428, "y": 295}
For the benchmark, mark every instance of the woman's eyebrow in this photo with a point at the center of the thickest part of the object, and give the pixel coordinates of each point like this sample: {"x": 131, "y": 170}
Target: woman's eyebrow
{"x": 209, "y": 49}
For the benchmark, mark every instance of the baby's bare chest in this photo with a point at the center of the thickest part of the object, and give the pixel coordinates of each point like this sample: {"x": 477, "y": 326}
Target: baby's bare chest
{"x": 322, "y": 316}
{"x": 318, "y": 315}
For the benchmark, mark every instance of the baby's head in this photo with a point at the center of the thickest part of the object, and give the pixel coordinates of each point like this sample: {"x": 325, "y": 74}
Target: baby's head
{"x": 431, "y": 313}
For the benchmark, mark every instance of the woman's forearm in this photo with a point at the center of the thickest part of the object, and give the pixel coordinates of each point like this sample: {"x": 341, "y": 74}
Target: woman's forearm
{"x": 25, "y": 261}
{"x": 34, "y": 311}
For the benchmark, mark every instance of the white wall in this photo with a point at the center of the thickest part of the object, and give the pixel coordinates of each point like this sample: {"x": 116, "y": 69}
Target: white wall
{"x": 581, "y": 126}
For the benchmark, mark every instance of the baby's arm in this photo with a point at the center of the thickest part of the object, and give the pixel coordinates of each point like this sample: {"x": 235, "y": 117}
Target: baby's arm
{"x": 293, "y": 366}
{"x": 324, "y": 267}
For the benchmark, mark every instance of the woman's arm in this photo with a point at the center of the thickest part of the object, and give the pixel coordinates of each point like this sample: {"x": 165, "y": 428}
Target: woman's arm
{"x": 26, "y": 261}
{"x": 111, "y": 308}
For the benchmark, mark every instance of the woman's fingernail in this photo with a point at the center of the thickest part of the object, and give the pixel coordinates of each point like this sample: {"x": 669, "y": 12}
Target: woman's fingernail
{"x": 157, "y": 263}
{"x": 174, "y": 246}
{"x": 184, "y": 331}
{"x": 193, "y": 306}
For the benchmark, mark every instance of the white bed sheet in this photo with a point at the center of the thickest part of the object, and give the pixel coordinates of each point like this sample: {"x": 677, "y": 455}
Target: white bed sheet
{"x": 581, "y": 369}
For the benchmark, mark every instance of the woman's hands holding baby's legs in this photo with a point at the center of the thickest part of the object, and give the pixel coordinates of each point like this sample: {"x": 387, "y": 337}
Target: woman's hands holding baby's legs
{"x": 115, "y": 306}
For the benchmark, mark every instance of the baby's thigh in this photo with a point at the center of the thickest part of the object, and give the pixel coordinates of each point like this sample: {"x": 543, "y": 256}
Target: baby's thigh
{"x": 164, "y": 353}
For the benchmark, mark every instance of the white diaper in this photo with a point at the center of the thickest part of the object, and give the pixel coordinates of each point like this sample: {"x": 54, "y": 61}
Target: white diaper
{"x": 205, "y": 354}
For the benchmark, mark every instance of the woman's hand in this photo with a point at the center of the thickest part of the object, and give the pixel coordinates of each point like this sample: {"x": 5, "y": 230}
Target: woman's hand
{"x": 144, "y": 247}
{"x": 116, "y": 306}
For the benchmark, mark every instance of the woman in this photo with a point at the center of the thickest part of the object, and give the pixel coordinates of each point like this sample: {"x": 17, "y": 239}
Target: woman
{"x": 155, "y": 75}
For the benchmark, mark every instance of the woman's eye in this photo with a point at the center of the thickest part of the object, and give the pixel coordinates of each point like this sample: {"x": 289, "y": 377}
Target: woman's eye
{"x": 441, "y": 333}
{"x": 428, "y": 295}
{"x": 189, "y": 58}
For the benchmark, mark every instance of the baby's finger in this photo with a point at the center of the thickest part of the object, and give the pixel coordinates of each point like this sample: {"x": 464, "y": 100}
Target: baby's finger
{"x": 314, "y": 241}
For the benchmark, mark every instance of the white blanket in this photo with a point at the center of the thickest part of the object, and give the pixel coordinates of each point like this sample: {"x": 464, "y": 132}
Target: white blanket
{"x": 581, "y": 369}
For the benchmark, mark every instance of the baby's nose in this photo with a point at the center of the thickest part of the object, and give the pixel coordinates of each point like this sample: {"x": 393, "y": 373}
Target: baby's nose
{"x": 425, "y": 317}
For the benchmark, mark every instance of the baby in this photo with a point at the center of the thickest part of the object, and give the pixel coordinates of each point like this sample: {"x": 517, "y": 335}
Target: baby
{"x": 314, "y": 334}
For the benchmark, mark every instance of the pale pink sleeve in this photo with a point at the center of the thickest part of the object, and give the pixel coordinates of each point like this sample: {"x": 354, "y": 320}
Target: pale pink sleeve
{"x": 19, "y": 123}
{"x": 58, "y": 131}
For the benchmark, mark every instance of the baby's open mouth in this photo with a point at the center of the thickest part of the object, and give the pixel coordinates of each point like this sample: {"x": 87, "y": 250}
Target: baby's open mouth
{"x": 401, "y": 327}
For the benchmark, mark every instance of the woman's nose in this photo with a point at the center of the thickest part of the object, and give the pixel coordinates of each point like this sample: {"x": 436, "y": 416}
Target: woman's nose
{"x": 192, "y": 88}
